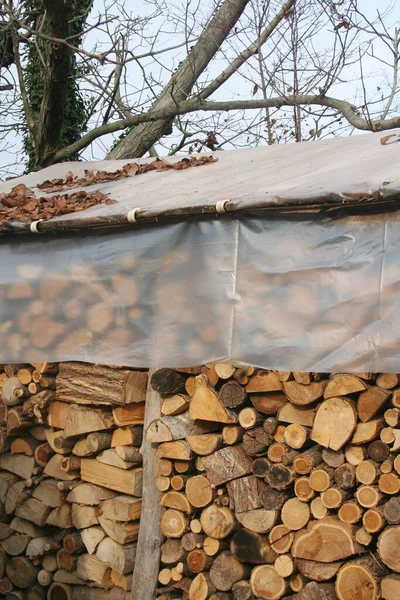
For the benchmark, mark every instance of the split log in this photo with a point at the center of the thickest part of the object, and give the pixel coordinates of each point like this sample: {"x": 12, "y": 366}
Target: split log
{"x": 167, "y": 429}
{"x": 178, "y": 450}
{"x": 175, "y": 405}
{"x": 264, "y": 381}
{"x": 126, "y": 482}
{"x": 168, "y": 381}
{"x": 81, "y": 419}
{"x": 91, "y": 537}
{"x": 91, "y": 568}
{"x": 344, "y": 385}
{"x": 18, "y": 464}
{"x": 227, "y": 464}
{"x": 177, "y": 500}
{"x": 303, "y": 395}
{"x": 366, "y": 432}
{"x": 123, "y": 533}
{"x": 390, "y": 587}
{"x": 206, "y": 405}
{"x": 96, "y": 384}
{"x": 89, "y": 495}
{"x": 371, "y": 402}
{"x": 290, "y": 413}
{"x": 21, "y": 572}
{"x": 269, "y": 404}
{"x": 335, "y": 421}
{"x": 127, "y": 436}
{"x": 201, "y": 587}
{"x": 122, "y": 508}
{"x": 120, "y": 558}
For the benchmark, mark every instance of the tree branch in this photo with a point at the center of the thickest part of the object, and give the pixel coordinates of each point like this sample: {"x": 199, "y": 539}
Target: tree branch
{"x": 137, "y": 142}
{"x": 343, "y": 107}
{"x": 250, "y": 51}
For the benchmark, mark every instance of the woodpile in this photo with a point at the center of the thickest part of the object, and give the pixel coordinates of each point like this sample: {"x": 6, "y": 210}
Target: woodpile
{"x": 277, "y": 484}
{"x": 70, "y": 480}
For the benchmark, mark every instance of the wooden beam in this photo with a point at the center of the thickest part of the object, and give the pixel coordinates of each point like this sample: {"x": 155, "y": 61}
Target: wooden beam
{"x": 145, "y": 574}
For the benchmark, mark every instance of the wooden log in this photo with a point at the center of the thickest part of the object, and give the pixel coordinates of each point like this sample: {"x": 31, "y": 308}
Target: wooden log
{"x": 373, "y": 520}
{"x": 249, "y": 547}
{"x": 363, "y": 537}
{"x": 205, "y": 444}
{"x": 368, "y": 496}
{"x": 172, "y": 552}
{"x": 95, "y": 384}
{"x": 333, "y": 497}
{"x": 303, "y": 490}
{"x": 344, "y": 385}
{"x": 173, "y": 523}
{"x": 242, "y": 591}
{"x": 21, "y": 572}
{"x": 122, "y": 508}
{"x": 58, "y": 442}
{"x": 82, "y": 419}
{"x": 42, "y": 454}
{"x": 266, "y": 583}
{"x": 389, "y": 547}
{"x": 333, "y": 458}
{"x": 284, "y": 565}
{"x": 295, "y": 436}
{"x": 327, "y": 541}
{"x": 232, "y": 394}
{"x": 387, "y": 381}
{"x": 53, "y": 469}
{"x": 89, "y": 495}
{"x": 295, "y": 514}
{"x": 255, "y": 441}
{"x": 232, "y": 434}
{"x": 201, "y": 587}
{"x": 199, "y": 491}
{"x": 120, "y": 558}
{"x": 33, "y": 510}
{"x": 366, "y": 472}
{"x": 281, "y": 453}
{"x": 197, "y": 560}
{"x": 227, "y": 464}
{"x": 191, "y": 540}
{"x": 168, "y": 381}
{"x": 345, "y": 476}
{"x": 355, "y": 454}
{"x": 281, "y": 539}
{"x": 264, "y": 381}
{"x": 174, "y": 405}
{"x": 335, "y": 421}
{"x": 18, "y": 464}
{"x": 123, "y": 533}
{"x": 366, "y": 432}
{"x": 178, "y": 450}
{"x": 318, "y": 510}
{"x": 260, "y": 467}
{"x": 306, "y": 461}
{"x": 91, "y": 568}
{"x": 217, "y": 521}
{"x": 14, "y": 545}
{"x": 125, "y": 436}
{"x": 356, "y": 578}
{"x": 270, "y": 403}
{"x": 303, "y": 395}
{"x": 167, "y": 429}
{"x": 259, "y": 520}
{"x": 206, "y": 404}
{"x": 280, "y": 477}
{"x": 392, "y": 511}
{"x": 126, "y": 482}
{"x": 389, "y": 483}
{"x": 66, "y": 561}
{"x": 390, "y": 587}
{"x": 227, "y": 570}
{"x": 244, "y": 493}
{"x": 321, "y": 479}
{"x": 271, "y": 498}
{"x": 83, "y": 516}
{"x": 350, "y": 512}
{"x": 300, "y": 415}
{"x": 91, "y": 537}
{"x": 17, "y": 422}
{"x": 177, "y": 500}
{"x": 371, "y": 402}
{"x": 94, "y": 593}
{"x": 13, "y": 391}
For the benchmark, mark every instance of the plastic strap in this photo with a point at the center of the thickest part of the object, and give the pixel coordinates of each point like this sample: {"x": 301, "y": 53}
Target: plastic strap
{"x": 220, "y": 206}
{"x": 131, "y": 216}
{"x": 34, "y": 225}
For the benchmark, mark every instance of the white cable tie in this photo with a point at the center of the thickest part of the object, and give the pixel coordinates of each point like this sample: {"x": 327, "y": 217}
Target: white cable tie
{"x": 34, "y": 225}
{"x": 131, "y": 216}
{"x": 220, "y": 206}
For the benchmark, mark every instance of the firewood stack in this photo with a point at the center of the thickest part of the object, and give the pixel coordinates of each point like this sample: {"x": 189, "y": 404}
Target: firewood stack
{"x": 278, "y": 484}
{"x": 70, "y": 480}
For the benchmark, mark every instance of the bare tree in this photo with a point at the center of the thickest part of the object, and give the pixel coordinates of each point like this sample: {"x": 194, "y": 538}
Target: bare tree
{"x": 178, "y": 78}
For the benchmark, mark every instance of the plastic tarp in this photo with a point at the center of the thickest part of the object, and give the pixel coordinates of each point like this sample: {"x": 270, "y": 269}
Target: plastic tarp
{"x": 301, "y": 293}
{"x": 293, "y": 293}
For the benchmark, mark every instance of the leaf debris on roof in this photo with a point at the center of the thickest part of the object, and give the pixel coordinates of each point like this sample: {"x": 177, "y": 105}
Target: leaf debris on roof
{"x": 129, "y": 170}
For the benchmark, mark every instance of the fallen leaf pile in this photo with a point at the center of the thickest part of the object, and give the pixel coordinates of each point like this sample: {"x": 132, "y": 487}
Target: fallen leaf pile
{"x": 21, "y": 205}
{"x": 129, "y": 170}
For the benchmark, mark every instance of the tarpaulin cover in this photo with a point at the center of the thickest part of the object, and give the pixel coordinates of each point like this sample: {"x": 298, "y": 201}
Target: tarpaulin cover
{"x": 300, "y": 293}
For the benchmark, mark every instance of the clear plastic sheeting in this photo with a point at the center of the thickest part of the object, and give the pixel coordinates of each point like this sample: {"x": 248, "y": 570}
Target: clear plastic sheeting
{"x": 292, "y": 293}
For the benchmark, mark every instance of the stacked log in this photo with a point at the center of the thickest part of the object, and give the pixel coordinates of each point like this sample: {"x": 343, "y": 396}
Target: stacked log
{"x": 278, "y": 484}
{"x": 70, "y": 480}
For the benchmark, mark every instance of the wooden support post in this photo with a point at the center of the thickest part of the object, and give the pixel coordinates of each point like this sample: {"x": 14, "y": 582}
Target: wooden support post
{"x": 145, "y": 574}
